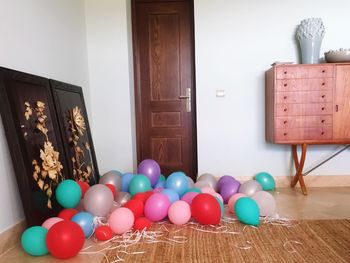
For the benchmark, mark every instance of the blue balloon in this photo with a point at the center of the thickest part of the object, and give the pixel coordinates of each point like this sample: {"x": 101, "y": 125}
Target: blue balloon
{"x": 126, "y": 178}
{"x": 177, "y": 181}
{"x": 171, "y": 194}
{"x": 86, "y": 221}
{"x": 160, "y": 185}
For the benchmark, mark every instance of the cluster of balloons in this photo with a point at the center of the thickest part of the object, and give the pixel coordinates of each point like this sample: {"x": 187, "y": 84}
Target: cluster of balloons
{"x": 133, "y": 201}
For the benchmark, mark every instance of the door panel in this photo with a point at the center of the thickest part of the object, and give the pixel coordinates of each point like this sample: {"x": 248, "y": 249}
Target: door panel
{"x": 342, "y": 103}
{"x": 164, "y": 69}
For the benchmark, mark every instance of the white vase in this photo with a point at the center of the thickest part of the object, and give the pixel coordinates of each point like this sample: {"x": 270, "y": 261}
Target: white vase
{"x": 310, "y": 50}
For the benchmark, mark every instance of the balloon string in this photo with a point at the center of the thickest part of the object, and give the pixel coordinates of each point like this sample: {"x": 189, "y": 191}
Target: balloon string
{"x": 289, "y": 243}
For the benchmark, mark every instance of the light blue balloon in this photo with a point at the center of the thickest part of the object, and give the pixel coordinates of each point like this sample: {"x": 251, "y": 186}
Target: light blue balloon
{"x": 86, "y": 221}
{"x": 160, "y": 185}
{"x": 221, "y": 206}
{"x": 266, "y": 180}
{"x": 126, "y": 178}
{"x": 177, "y": 181}
{"x": 247, "y": 211}
{"x": 171, "y": 194}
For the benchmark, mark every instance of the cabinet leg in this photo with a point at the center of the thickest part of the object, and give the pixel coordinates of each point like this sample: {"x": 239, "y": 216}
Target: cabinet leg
{"x": 299, "y": 165}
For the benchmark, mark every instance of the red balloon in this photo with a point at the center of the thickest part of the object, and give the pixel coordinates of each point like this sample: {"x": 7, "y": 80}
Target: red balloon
{"x": 142, "y": 223}
{"x": 67, "y": 213}
{"x": 143, "y": 196}
{"x": 112, "y": 188}
{"x": 206, "y": 209}
{"x": 136, "y": 206}
{"x": 103, "y": 233}
{"x": 65, "y": 239}
{"x": 83, "y": 186}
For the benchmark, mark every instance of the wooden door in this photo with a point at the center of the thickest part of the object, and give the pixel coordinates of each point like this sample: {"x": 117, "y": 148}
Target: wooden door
{"x": 164, "y": 75}
{"x": 342, "y": 103}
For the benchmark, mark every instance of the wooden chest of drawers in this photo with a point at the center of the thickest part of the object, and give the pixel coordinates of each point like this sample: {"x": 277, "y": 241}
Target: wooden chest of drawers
{"x": 308, "y": 104}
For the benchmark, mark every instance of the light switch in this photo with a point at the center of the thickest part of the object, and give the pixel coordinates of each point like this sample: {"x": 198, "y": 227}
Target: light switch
{"x": 220, "y": 93}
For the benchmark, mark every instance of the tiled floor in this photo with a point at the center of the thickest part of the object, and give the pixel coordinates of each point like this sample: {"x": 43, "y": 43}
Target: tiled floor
{"x": 321, "y": 203}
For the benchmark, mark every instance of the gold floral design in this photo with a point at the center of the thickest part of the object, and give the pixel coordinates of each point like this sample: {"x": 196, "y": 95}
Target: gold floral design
{"x": 77, "y": 128}
{"x": 47, "y": 172}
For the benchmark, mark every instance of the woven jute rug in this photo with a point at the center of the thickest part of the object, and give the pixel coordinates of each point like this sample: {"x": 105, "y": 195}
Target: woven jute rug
{"x": 300, "y": 241}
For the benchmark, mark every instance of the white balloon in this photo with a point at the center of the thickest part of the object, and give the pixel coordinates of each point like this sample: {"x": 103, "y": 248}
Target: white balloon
{"x": 266, "y": 203}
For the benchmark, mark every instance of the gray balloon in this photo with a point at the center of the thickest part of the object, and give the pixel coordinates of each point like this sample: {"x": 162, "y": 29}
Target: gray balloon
{"x": 190, "y": 182}
{"x": 111, "y": 178}
{"x": 266, "y": 203}
{"x": 250, "y": 187}
{"x": 122, "y": 198}
{"x": 210, "y": 179}
{"x": 201, "y": 184}
{"x": 98, "y": 200}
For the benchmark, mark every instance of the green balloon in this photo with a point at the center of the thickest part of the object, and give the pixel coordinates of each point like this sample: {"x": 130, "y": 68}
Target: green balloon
{"x": 68, "y": 193}
{"x": 266, "y": 180}
{"x": 33, "y": 241}
{"x": 194, "y": 189}
{"x": 138, "y": 184}
{"x": 161, "y": 178}
{"x": 221, "y": 206}
{"x": 247, "y": 211}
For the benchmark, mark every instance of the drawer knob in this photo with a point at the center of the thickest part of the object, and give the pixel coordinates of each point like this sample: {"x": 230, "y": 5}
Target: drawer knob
{"x": 284, "y": 109}
{"x": 284, "y": 122}
{"x": 323, "y": 96}
{"x": 285, "y": 72}
{"x": 285, "y": 84}
{"x": 323, "y": 121}
{"x": 323, "y": 83}
{"x": 322, "y": 133}
{"x": 323, "y": 108}
{"x": 323, "y": 70}
{"x": 285, "y": 97}
{"x": 284, "y": 133}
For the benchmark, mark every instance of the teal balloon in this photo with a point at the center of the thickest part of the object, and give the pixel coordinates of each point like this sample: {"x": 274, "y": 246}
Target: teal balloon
{"x": 139, "y": 183}
{"x": 194, "y": 189}
{"x": 247, "y": 211}
{"x": 221, "y": 206}
{"x": 266, "y": 180}
{"x": 161, "y": 178}
{"x": 33, "y": 241}
{"x": 68, "y": 193}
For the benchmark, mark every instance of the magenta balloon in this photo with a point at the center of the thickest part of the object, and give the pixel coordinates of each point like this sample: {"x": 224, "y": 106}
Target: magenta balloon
{"x": 229, "y": 189}
{"x": 151, "y": 169}
{"x": 156, "y": 207}
{"x": 188, "y": 197}
{"x": 224, "y": 180}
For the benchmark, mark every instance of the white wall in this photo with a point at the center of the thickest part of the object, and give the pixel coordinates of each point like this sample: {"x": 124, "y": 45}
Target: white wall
{"x": 108, "y": 27}
{"x": 236, "y": 41}
{"x": 46, "y": 38}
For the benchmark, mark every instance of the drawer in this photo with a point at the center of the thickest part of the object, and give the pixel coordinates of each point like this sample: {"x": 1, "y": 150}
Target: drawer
{"x": 304, "y": 97}
{"x": 303, "y": 109}
{"x": 304, "y": 84}
{"x": 303, "y": 121}
{"x": 305, "y": 72}
{"x": 303, "y": 134}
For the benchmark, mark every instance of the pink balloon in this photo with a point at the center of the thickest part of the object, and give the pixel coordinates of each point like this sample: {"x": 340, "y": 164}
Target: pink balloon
{"x": 232, "y": 201}
{"x": 156, "y": 207}
{"x": 218, "y": 196}
{"x": 179, "y": 213}
{"x": 48, "y": 223}
{"x": 188, "y": 197}
{"x": 121, "y": 220}
{"x": 207, "y": 190}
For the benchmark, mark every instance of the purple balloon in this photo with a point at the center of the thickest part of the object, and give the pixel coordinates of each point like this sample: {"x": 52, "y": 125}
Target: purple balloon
{"x": 229, "y": 189}
{"x": 188, "y": 197}
{"x": 224, "y": 180}
{"x": 151, "y": 169}
{"x": 156, "y": 207}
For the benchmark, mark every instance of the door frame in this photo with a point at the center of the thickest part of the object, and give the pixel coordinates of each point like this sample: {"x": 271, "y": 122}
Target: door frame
{"x": 137, "y": 82}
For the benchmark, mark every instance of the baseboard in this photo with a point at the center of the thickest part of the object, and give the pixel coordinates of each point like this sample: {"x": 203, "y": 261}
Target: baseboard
{"x": 10, "y": 237}
{"x": 310, "y": 180}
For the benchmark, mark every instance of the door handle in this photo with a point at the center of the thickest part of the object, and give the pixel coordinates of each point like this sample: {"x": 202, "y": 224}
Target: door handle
{"x": 187, "y": 97}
